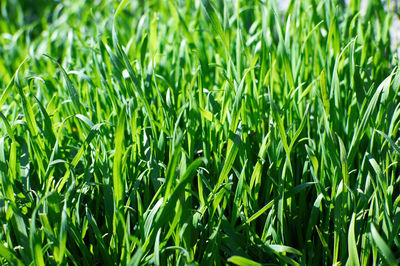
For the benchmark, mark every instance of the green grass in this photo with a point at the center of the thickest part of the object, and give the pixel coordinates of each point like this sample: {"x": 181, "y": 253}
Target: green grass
{"x": 198, "y": 132}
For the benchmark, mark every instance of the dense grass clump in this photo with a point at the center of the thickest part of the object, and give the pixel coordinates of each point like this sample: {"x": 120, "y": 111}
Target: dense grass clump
{"x": 198, "y": 132}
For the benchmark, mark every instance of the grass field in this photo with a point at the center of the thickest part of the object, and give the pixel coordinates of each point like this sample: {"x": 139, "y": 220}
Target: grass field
{"x": 198, "y": 132}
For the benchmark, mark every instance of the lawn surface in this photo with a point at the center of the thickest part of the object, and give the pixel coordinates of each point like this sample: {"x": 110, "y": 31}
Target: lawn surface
{"x": 198, "y": 132}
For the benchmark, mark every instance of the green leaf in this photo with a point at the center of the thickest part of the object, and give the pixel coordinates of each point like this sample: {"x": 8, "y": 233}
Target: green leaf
{"x": 285, "y": 249}
{"x": 383, "y": 248}
{"x": 71, "y": 88}
{"x": 211, "y": 16}
{"x": 121, "y": 6}
{"x": 395, "y": 147}
{"x": 7, "y": 90}
{"x": 324, "y": 94}
{"x": 261, "y": 211}
{"x": 230, "y": 159}
{"x": 118, "y": 182}
{"x": 352, "y": 245}
{"x": 9, "y": 255}
{"x": 241, "y": 261}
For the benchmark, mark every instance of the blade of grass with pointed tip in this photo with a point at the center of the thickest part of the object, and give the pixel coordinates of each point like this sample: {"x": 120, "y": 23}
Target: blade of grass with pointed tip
{"x": 238, "y": 260}
{"x": 7, "y": 90}
{"x": 118, "y": 183}
{"x": 392, "y": 143}
{"x": 9, "y": 255}
{"x": 352, "y": 245}
{"x": 71, "y": 88}
{"x": 261, "y": 211}
{"x": 261, "y": 157}
{"x": 230, "y": 159}
{"x": 383, "y": 248}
